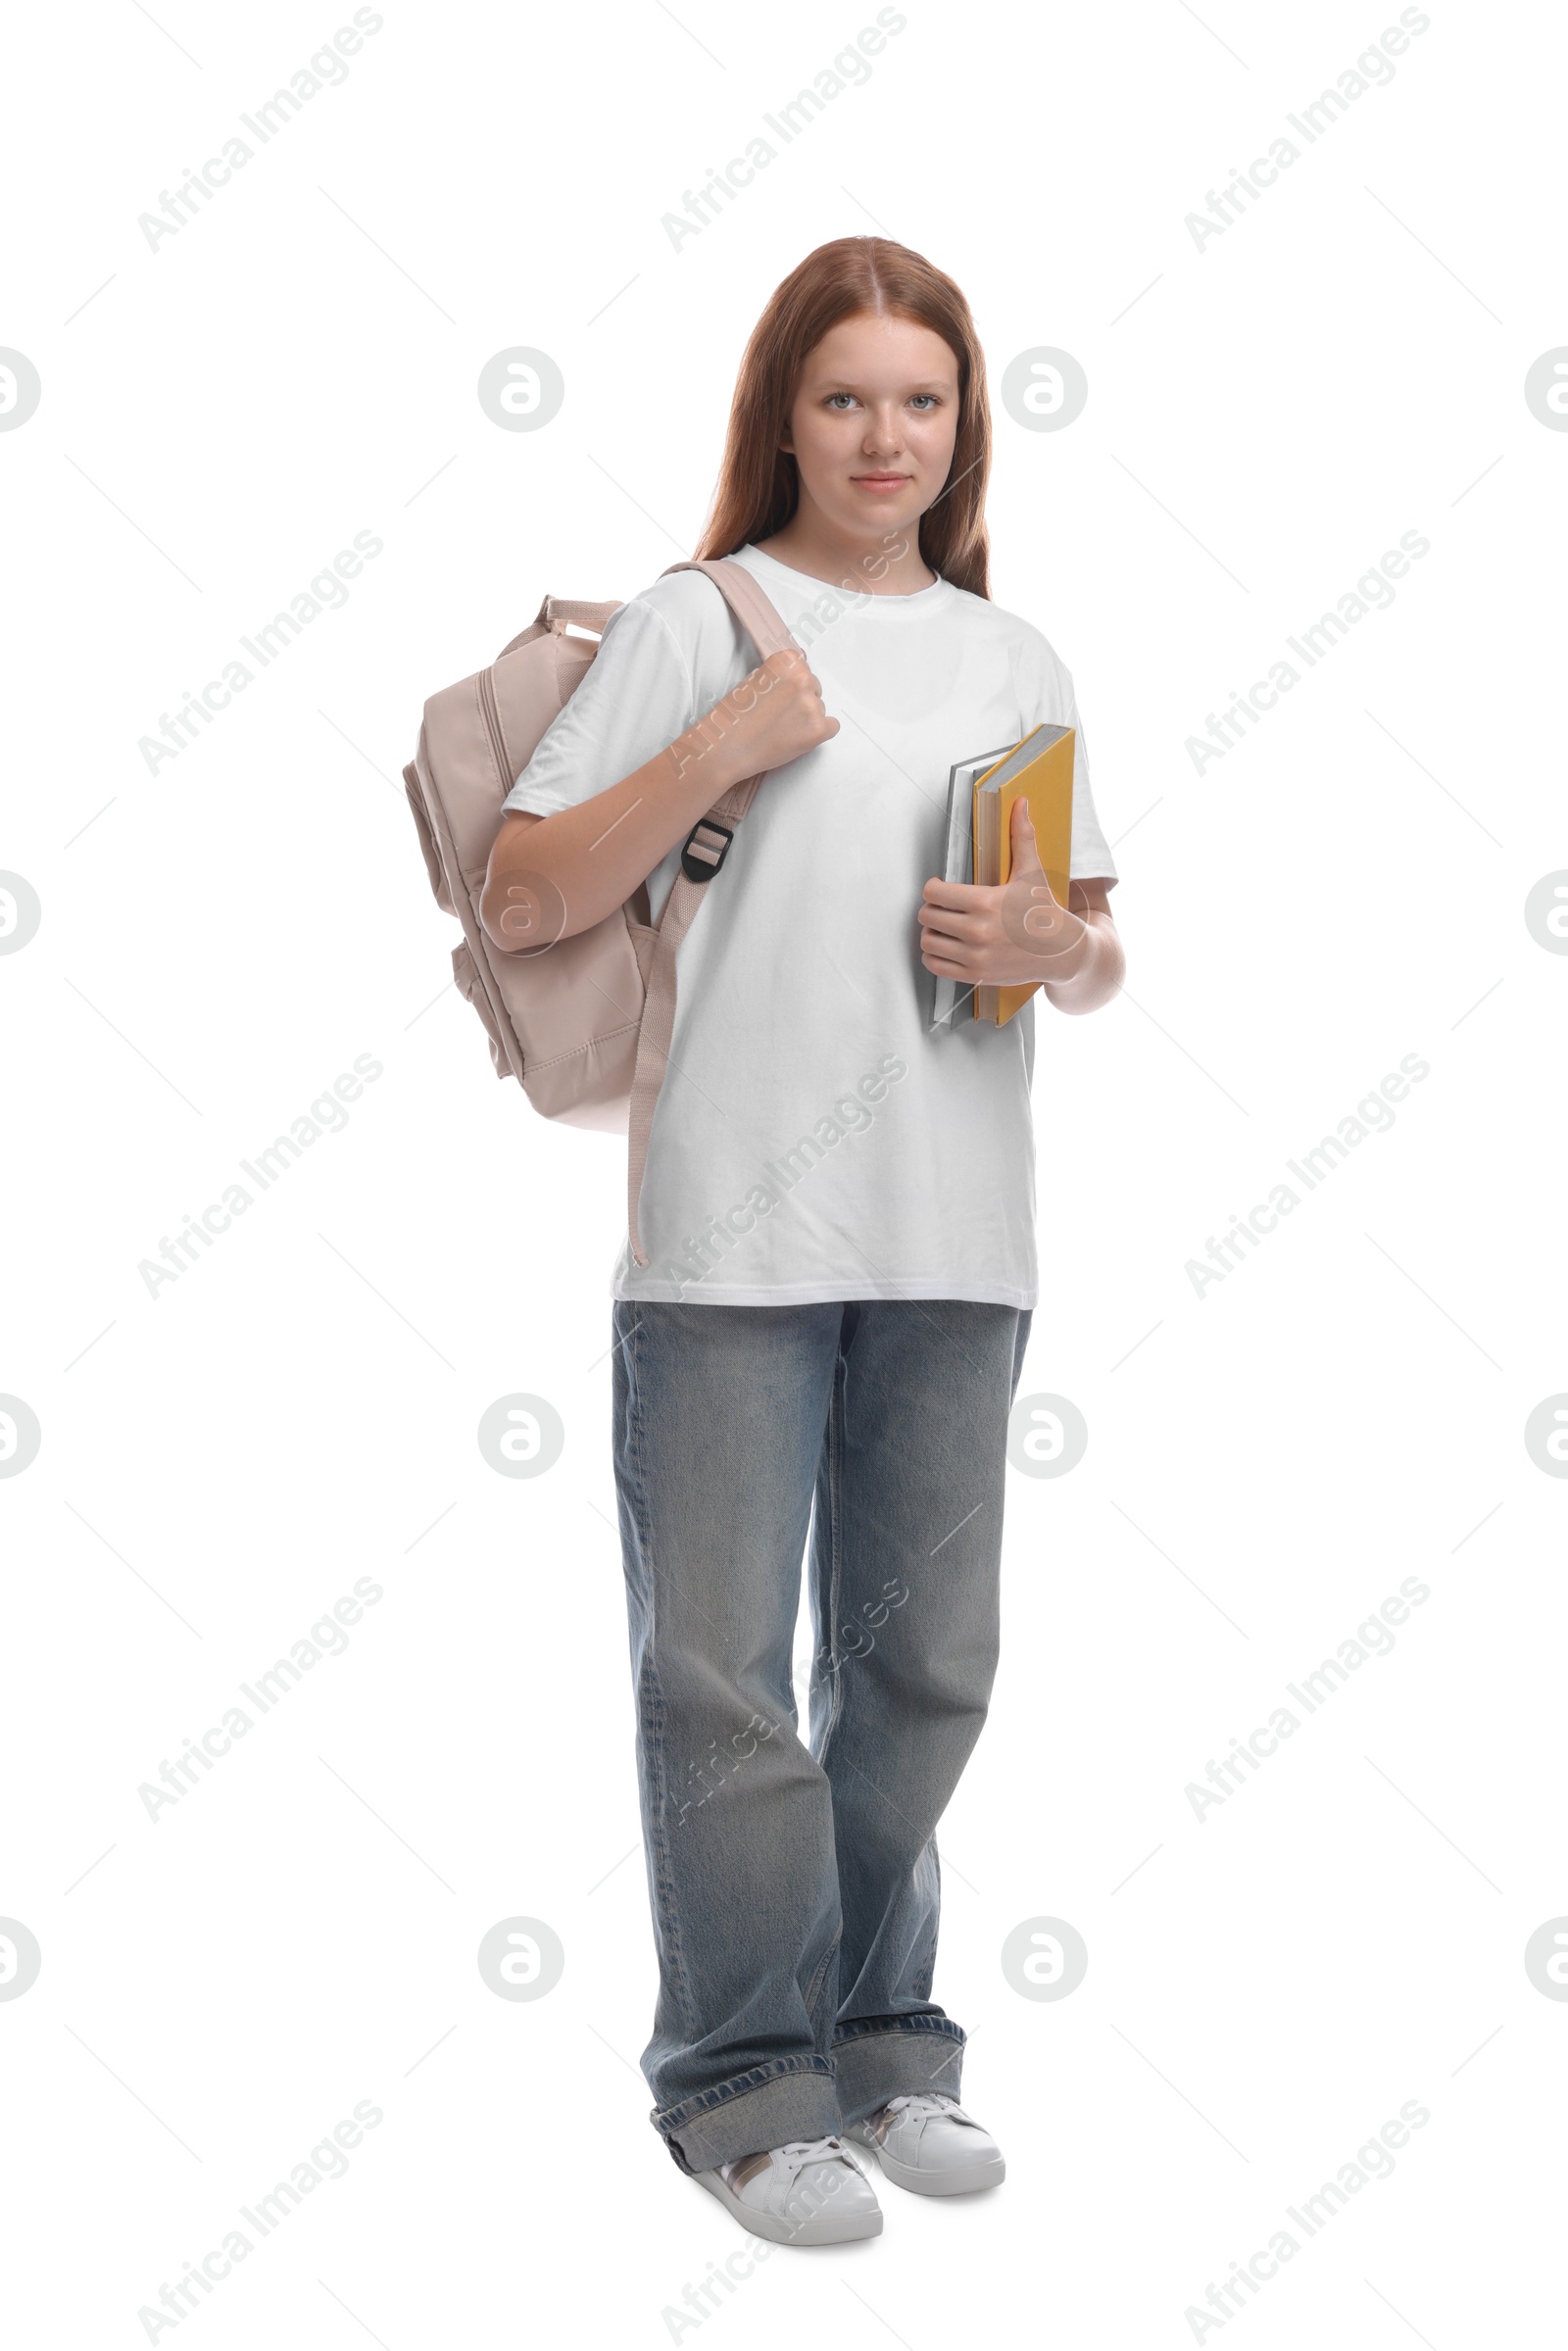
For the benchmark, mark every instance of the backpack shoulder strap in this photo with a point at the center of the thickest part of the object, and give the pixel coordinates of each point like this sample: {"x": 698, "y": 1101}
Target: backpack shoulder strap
{"x": 701, "y": 859}
{"x": 746, "y": 600}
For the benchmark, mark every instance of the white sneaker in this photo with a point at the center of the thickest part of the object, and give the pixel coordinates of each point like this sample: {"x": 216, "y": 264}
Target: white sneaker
{"x": 810, "y": 2191}
{"x": 929, "y": 2145}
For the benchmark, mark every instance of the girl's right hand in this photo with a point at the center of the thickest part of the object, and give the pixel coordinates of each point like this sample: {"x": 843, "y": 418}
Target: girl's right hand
{"x": 775, "y": 714}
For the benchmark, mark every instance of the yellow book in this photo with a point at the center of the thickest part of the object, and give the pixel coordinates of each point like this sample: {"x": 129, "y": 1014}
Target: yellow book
{"x": 1037, "y": 769}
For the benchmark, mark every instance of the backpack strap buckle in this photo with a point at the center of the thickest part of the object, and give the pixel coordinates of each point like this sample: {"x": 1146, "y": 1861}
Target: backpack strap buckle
{"x": 705, "y": 849}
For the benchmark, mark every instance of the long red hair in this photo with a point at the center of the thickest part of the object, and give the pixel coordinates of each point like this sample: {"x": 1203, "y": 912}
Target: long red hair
{"x": 758, "y": 484}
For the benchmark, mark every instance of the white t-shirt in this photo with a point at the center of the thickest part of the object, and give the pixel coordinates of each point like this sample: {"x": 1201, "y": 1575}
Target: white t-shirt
{"x": 813, "y": 1139}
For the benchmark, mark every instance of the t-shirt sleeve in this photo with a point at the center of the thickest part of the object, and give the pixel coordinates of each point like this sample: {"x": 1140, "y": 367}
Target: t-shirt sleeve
{"x": 635, "y": 698}
{"x": 1046, "y": 697}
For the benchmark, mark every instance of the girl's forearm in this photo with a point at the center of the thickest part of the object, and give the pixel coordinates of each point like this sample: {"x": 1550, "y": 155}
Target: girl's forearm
{"x": 555, "y": 876}
{"x": 584, "y": 862}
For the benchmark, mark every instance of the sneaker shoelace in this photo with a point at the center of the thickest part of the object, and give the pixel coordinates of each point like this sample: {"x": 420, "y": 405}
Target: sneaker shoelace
{"x": 921, "y": 2106}
{"x": 791, "y": 2158}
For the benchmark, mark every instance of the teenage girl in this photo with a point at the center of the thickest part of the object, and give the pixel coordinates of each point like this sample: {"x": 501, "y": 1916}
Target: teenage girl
{"x": 837, "y": 1219}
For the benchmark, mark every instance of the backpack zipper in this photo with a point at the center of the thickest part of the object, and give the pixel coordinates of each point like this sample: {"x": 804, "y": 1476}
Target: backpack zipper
{"x": 492, "y": 720}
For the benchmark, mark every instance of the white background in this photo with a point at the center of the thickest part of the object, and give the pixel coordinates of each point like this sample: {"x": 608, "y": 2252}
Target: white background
{"x": 1265, "y": 1465}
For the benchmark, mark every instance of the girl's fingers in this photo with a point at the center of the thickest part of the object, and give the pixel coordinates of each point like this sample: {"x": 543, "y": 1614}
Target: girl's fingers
{"x": 969, "y": 927}
{"x": 948, "y": 943}
{"x": 959, "y": 896}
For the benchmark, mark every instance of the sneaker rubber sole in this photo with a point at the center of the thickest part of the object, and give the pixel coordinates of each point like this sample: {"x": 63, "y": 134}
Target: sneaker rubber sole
{"x": 959, "y": 2182}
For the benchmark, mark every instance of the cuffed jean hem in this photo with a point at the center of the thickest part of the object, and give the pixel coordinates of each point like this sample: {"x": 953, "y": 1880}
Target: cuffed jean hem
{"x": 791, "y": 2098}
{"x": 894, "y": 2057}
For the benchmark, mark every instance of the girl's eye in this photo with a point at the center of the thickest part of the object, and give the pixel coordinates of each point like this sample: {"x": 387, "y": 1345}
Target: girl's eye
{"x": 833, "y": 395}
{"x": 931, "y": 395}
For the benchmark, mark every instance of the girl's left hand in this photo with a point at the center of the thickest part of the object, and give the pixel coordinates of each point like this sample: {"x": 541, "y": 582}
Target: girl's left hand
{"x": 1003, "y": 936}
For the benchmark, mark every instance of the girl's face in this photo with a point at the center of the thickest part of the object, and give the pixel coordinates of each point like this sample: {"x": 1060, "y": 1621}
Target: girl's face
{"x": 873, "y": 424}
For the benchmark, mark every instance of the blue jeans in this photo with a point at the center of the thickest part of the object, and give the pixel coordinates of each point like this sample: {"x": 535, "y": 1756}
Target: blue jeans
{"x": 795, "y": 1889}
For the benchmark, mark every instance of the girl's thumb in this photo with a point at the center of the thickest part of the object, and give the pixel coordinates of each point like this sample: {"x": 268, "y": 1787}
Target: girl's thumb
{"x": 1025, "y": 847}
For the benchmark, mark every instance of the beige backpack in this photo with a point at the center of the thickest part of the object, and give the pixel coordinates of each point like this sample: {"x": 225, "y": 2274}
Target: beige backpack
{"x": 584, "y": 1024}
